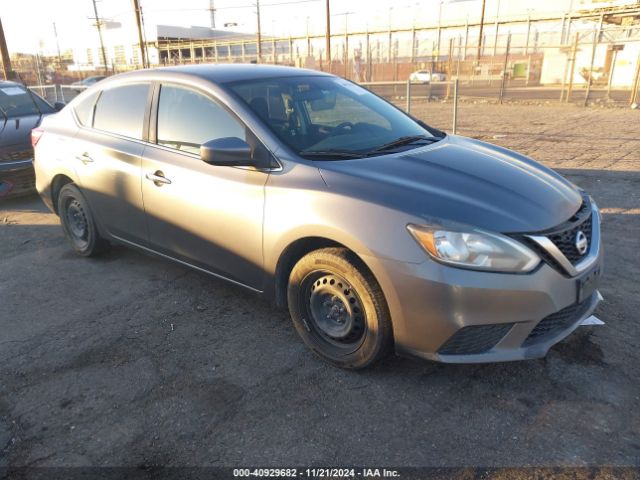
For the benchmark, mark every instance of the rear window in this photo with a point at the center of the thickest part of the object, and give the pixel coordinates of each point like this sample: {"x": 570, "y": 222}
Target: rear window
{"x": 84, "y": 109}
{"x": 15, "y": 101}
{"x": 121, "y": 110}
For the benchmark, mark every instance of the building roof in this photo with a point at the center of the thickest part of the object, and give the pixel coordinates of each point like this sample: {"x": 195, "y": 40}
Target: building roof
{"x": 174, "y": 32}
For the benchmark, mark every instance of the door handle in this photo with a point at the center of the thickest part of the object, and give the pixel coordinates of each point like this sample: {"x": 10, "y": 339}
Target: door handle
{"x": 84, "y": 158}
{"x": 158, "y": 178}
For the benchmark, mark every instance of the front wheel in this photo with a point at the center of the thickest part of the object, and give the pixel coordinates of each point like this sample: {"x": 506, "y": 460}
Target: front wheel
{"x": 77, "y": 222}
{"x": 338, "y": 309}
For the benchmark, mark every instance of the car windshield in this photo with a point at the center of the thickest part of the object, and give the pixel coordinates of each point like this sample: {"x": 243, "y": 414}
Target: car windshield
{"x": 328, "y": 115}
{"x": 16, "y": 101}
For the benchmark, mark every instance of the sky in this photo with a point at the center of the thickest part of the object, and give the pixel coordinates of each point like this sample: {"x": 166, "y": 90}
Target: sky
{"x": 30, "y": 33}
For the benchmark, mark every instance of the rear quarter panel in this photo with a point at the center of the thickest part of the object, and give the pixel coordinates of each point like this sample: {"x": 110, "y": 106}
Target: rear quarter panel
{"x": 54, "y": 155}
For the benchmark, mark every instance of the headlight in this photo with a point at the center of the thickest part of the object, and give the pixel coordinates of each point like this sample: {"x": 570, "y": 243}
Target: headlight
{"x": 475, "y": 249}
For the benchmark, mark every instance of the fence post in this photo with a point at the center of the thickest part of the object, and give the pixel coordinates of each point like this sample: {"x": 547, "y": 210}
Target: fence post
{"x": 449, "y": 68}
{"x": 611, "y": 70}
{"x": 455, "y": 106}
{"x": 504, "y": 68}
{"x": 409, "y": 96}
{"x": 636, "y": 83}
{"x": 574, "y": 55}
{"x": 596, "y": 35}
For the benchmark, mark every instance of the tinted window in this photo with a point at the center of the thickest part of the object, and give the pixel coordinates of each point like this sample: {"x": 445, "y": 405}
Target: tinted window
{"x": 121, "y": 110}
{"x": 187, "y": 119}
{"x": 345, "y": 108}
{"x": 84, "y": 108}
{"x": 319, "y": 114}
{"x": 15, "y": 101}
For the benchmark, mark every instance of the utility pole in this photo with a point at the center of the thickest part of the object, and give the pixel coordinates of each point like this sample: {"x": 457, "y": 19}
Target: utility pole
{"x": 99, "y": 27}
{"x": 259, "y": 32}
{"x": 495, "y": 40}
{"x": 481, "y": 30}
{"x": 328, "y": 35}
{"x": 55, "y": 32}
{"x": 212, "y": 12}
{"x": 9, "y": 74}
{"x": 143, "y": 54}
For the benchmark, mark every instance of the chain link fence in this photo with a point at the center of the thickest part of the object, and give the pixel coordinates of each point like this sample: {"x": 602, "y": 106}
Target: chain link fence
{"x": 584, "y": 61}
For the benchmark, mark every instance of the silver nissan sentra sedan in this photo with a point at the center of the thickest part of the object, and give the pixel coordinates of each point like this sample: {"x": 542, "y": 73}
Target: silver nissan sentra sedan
{"x": 377, "y": 231}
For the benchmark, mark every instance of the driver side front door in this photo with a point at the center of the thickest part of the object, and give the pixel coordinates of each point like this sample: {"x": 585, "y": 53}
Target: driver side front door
{"x": 206, "y": 216}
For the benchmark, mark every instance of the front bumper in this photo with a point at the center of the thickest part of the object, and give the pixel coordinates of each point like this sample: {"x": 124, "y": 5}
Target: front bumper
{"x": 16, "y": 176}
{"x": 463, "y": 316}
{"x": 431, "y": 304}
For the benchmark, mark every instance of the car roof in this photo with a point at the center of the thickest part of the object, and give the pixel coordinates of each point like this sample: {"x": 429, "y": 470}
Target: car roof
{"x": 7, "y": 83}
{"x": 223, "y": 73}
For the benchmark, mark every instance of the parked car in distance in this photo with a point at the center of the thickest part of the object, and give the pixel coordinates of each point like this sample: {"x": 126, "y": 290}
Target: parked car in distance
{"x": 373, "y": 228}
{"x": 20, "y": 111}
{"x": 425, "y": 76}
{"x": 87, "y": 82}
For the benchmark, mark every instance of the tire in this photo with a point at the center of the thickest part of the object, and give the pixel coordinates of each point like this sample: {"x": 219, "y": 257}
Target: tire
{"x": 78, "y": 223}
{"x": 338, "y": 309}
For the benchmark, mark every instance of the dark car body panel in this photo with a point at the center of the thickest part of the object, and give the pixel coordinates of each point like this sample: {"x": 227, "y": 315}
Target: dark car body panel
{"x": 16, "y": 153}
{"x": 471, "y": 182}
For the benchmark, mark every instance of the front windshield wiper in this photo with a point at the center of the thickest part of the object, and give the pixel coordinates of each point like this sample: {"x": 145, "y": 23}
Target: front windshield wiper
{"x": 406, "y": 140}
{"x": 337, "y": 154}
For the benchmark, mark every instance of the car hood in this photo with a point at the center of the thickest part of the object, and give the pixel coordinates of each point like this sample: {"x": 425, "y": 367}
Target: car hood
{"x": 17, "y": 130}
{"x": 460, "y": 180}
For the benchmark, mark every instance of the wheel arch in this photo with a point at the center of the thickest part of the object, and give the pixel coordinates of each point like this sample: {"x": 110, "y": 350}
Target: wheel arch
{"x": 297, "y": 249}
{"x": 59, "y": 181}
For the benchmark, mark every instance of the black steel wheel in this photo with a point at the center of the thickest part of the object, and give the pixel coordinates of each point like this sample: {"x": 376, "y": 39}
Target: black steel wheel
{"x": 77, "y": 222}
{"x": 338, "y": 308}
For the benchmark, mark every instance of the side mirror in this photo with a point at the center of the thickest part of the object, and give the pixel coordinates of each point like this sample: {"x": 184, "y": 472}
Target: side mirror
{"x": 227, "y": 151}
{"x": 59, "y": 106}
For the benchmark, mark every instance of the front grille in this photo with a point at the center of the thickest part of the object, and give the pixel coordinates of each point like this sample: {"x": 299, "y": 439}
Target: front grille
{"x": 566, "y": 240}
{"x": 16, "y": 156}
{"x": 475, "y": 339}
{"x": 555, "y": 323}
{"x": 564, "y": 237}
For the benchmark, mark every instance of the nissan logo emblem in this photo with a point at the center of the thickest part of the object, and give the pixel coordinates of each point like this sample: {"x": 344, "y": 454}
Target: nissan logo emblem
{"x": 582, "y": 244}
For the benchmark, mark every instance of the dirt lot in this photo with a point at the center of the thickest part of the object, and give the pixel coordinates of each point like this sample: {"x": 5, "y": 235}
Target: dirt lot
{"x": 130, "y": 360}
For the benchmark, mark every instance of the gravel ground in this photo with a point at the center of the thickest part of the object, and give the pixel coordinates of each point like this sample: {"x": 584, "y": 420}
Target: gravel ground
{"x": 130, "y": 360}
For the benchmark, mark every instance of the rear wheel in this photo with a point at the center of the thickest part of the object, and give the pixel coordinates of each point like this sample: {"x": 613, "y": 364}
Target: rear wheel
{"x": 338, "y": 309}
{"x": 77, "y": 222}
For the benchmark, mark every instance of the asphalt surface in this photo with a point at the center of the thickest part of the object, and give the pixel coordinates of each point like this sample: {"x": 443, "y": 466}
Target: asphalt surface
{"x": 130, "y": 360}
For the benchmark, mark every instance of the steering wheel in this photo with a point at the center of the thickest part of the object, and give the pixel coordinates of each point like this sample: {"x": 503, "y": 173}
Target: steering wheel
{"x": 343, "y": 126}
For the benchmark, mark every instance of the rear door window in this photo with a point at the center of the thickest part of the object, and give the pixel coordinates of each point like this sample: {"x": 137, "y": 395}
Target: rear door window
{"x": 121, "y": 110}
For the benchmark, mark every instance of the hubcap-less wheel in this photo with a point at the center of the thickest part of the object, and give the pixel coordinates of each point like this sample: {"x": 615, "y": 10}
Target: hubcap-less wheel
{"x": 78, "y": 225}
{"x": 338, "y": 308}
{"x": 77, "y": 222}
{"x": 335, "y": 310}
